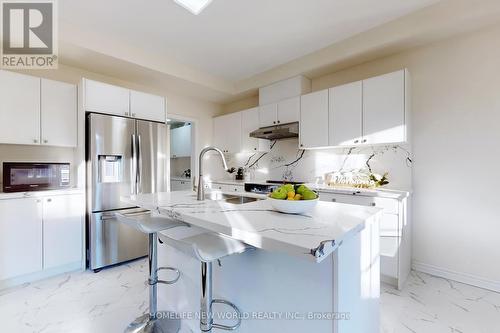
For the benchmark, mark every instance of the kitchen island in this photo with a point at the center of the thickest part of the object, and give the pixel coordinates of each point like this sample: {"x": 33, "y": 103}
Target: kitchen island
{"x": 317, "y": 272}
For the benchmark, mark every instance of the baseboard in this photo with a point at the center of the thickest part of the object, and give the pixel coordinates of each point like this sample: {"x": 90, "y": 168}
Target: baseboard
{"x": 466, "y": 278}
{"x": 28, "y": 278}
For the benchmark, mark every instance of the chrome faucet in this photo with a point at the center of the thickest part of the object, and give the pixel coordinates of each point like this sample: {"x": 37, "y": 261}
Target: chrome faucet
{"x": 201, "y": 188}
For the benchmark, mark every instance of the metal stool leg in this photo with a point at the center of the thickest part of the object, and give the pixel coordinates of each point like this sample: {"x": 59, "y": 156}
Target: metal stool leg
{"x": 206, "y": 317}
{"x": 206, "y": 314}
{"x": 154, "y": 321}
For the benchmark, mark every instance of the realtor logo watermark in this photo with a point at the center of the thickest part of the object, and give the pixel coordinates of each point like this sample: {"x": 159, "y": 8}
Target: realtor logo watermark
{"x": 29, "y": 34}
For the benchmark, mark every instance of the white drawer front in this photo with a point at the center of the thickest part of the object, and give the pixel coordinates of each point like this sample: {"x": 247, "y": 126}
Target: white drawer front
{"x": 389, "y": 225}
{"x": 228, "y": 188}
{"x": 389, "y": 256}
{"x": 347, "y": 199}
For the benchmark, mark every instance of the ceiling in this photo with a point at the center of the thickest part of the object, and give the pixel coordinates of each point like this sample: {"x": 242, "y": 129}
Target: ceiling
{"x": 221, "y": 50}
{"x": 230, "y": 39}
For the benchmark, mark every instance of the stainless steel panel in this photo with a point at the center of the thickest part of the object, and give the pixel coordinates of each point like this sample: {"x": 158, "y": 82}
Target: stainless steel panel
{"x": 112, "y": 242}
{"x": 111, "y": 146}
{"x": 152, "y": 157}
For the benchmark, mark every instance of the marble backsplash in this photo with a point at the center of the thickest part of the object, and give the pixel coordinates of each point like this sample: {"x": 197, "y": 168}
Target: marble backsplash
{"x": 286, "y": 162}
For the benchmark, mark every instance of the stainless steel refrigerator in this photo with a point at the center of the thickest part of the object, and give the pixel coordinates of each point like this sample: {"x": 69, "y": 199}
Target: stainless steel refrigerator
{"x": 124, "y": 156}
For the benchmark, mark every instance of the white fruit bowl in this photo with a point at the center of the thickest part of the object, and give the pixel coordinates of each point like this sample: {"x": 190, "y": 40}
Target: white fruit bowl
{"x": 293, "y": 206}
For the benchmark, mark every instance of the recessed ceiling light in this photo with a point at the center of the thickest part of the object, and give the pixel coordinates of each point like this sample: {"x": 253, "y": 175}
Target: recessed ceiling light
{"x": 194, "y": 6}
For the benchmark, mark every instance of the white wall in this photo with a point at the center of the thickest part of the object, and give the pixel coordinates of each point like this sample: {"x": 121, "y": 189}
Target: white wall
{"x": 455, "y": 96}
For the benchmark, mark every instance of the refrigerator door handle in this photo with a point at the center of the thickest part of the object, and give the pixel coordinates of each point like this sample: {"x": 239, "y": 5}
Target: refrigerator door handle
{"x": 108, "y": 217}
{"x": 133, "y": 167}
{"x": 139, "y": 164}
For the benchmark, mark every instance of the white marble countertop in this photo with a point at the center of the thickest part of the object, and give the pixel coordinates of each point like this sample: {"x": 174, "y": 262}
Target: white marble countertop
{"x": 38, "y": 194}
{"x": 379, "y": 192}
{"x": 313, "y": 236}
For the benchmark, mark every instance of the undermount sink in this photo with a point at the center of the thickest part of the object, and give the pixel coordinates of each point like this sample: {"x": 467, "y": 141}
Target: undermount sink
{"x": 238, "y": 200}
{"x": 230, "y": 198}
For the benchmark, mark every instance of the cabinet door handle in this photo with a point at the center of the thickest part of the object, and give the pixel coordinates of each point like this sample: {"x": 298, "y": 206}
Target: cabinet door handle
{"x": 255, "y": 149}
{"x": 278, "y": 121}
{"x": 356, "y": 141}
{"x": 133, "y": 114}
{"x": 373, "y": 204}
{"x": 334, "y": 200}
{"x": 364, "y": 140}
{"x": 301, "y": 145}
{"x": 45, "y": 141}
{"x": 49, "y": 200}
{"x": 274, "y": 122}
{"x": 126, "y": 113}
{"x": 35, "y": 141}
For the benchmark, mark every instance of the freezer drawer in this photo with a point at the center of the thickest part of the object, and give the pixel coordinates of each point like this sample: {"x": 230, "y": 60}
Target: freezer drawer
{"x": 112, "y": 242}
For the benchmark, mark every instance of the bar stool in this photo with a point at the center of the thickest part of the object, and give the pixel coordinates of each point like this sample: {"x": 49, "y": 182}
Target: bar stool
{"x": 154, "y": 321}
{"x": 206, "y": 247}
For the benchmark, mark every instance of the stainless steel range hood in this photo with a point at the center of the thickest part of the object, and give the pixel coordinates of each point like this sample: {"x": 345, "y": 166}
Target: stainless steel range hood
{"x": 277, "y": 132}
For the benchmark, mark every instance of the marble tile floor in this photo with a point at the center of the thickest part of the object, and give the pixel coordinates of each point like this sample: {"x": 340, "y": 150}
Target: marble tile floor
{"x": 107, "y": 301}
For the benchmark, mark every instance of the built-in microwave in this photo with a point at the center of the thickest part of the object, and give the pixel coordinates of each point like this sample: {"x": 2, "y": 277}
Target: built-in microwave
{"x": 22, "y": 176}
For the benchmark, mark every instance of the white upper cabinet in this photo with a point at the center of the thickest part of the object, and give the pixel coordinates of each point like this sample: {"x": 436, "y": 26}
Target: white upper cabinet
{"x": 62, "y": 230}
{"x": 384, "y": 119}
{"x": 268, "y": 115}
{"x": 227, "y": 132}
{"x": 283, "y": 112}
{"x": 20, "y": 237}
{"x": 249, "y": 123}
{"x": 289, "y": 110}
{"x": 346, "y": 110}
{"x": 19, "y": 108}
{"x": 59, "y": 114}
{"x": 147, "y": 106}
{"x": 180, "y": 142}
{"x": 314, "y": 119}
{"x": 106, "y": 98}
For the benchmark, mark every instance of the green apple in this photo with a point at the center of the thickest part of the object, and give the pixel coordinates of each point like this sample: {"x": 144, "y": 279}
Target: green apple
{"x": 309, "y": 195}
{"x": 301, "y": 189}
{"x": 280, "y": 194}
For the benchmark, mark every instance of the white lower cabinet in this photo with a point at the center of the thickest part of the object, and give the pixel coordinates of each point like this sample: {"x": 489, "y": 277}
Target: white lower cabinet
{"x": 223, "y": 187}
{"x": 40, "y": 236}
{"x": 180, "y": 185}
{"x": 20, "y": 237}
{"x": 395, "y": 233}
{"x": 62, "y": 230}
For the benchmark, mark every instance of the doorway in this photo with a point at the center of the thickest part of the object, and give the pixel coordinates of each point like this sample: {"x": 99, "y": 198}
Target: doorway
{"x": 181, "y": 135}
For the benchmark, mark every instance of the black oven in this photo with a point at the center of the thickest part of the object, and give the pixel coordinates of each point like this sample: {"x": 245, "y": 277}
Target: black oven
{"x": 22, "y": 176}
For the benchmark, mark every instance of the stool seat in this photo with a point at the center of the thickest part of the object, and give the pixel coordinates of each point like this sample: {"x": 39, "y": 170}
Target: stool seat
{"x": 147, "y": 222}
{"x": 203, "y": 245}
